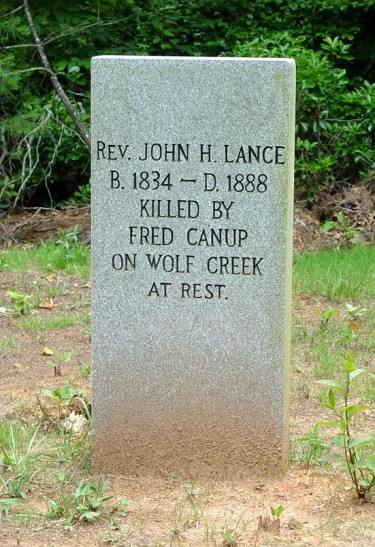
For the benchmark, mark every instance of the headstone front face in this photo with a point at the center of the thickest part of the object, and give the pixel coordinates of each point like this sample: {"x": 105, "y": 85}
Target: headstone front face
{"x": 192, "y": 184}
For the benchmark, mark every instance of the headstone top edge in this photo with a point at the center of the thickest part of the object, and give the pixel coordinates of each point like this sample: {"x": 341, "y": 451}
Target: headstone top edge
{"x": 265, "y": 60}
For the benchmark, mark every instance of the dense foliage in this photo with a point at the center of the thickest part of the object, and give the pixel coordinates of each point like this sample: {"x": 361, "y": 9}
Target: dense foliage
{"x": 42, "y": 159}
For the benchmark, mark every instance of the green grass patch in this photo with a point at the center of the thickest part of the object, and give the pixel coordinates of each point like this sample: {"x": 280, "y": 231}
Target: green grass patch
{"x": 46, "y": 323}
{"x": 48, "y": 257}
{"x": 7, "y": 342}
{"x": 337, "y": 274}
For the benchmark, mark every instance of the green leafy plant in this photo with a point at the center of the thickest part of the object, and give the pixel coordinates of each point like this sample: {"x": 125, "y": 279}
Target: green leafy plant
{"x": 342, "y": 226}
{"x": 58, "y": 360}
{"x": 355, "y": 454}
{"x": 21, "y": 302}
{"x": 325, "y": 317}
{"x": 82, "y": 504}
{"x": 64, "y": 397}
{"x": 277, "y": 511}
{"x": 68, "y": 240}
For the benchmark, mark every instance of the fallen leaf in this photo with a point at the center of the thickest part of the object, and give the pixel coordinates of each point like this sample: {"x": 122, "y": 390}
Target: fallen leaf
{"x": 87, "y": 285}
{"x": 17, "y": 365}
{"x": 354, "y": 327}
{"x": 47, "y": 351}
{"x": 50, "y": 278}
{"x": 47, "y": 304}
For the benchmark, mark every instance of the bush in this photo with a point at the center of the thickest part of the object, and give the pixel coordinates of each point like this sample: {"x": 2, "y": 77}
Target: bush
{"x": 42, "y": 160}
{"x": 334, "y": 122}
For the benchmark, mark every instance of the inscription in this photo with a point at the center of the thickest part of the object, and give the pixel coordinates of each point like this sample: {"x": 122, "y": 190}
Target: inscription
{"x": 243, "y": 184}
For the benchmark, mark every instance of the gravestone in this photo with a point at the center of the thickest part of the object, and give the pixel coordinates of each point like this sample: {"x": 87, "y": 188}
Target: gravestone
{"x": 192, "y": 192}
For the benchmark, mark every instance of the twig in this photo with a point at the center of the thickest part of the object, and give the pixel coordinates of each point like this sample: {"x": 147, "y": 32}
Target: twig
{"x": 11, "y": 12}
{"x": 7, "y": 235}
{"x": 54, "y": 79}
{"x": 45, "y": 412}
{"x": 19, "y": 226}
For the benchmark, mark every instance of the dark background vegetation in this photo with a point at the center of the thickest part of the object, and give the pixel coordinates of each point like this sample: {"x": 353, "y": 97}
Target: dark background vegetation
{"x": 42, "y": 159}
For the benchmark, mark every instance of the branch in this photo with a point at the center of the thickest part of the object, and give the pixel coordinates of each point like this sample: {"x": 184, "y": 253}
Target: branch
{"x": 11, "y": 12}
{"x": 54, "y": 79}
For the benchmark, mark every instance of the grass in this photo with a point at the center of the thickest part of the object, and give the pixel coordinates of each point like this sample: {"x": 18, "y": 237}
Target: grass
{"x": 7, "y": 342}
{"x": 48, "y": 257}
{"x": 338, "y": 275}
{"x": 36, "y": 323}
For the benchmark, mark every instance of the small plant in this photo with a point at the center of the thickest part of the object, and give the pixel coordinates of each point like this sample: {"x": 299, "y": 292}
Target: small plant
{"x": 68, "y": 239}
{"x": 85, "y": 370}
{"x": 347, "y": 334}
{"x": 308, "y": 449}
{"x": 354, "y": 313}
{"x": 229, "y": 535}
{"x": 271, "y": 523}
{"x": 342, "y": 225}
{"x": 80, "y": 505}
{"x": 58, "y": 360}
{"x": 3, "y": 262}
{"x": 193, "y": 497}
{"x": 62, "y": 396}
{"x": 277, "y": 511}
{"x": 325, "y": 317}
{"x": 21, "y": 302}
{"x": 356, "y": 454}
{"x": 17, "y": 459}
{"x": 6, "y": 505}
{"x": 8, "y": 342}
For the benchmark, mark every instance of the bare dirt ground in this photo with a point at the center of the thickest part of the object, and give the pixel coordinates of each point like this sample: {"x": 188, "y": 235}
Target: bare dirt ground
{"x": 319, "y": 508}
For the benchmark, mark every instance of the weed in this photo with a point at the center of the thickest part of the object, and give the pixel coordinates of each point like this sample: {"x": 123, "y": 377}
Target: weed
{"x": 80, "y": 505}
{"x": 307, "y": 449}
{"x": 21, "y": 302}
{"x": 229, "y": 535}
{"x": 6, "y": 505}
{"x": 342, "y": 225}
{"x": 271, "y": 523}
{"x": 325, "y": 316}
{"x": 19, "y": 447}
{"x": 68, "y": 239}
{"x": 85, "y": 370}
{"x": 326, "y": 362}
{"x": 3, "y": 262}
{"x": 193, "y": 497}
{"x": 356, "y": 454}
{"x": 58, "y": 360}
{"x": 354, "y": 313}
{"x": 8, "y": 342}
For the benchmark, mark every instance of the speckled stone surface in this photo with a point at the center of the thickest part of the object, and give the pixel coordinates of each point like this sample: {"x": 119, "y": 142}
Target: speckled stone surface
{"x": 189, "y": 383}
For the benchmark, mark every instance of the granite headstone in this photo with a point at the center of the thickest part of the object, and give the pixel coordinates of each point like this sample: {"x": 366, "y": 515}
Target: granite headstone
{"x": 192, "y": 193}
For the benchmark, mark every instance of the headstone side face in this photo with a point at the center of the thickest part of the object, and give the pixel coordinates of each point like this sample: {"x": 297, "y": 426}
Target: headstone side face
{"x": 192, "y": 195}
